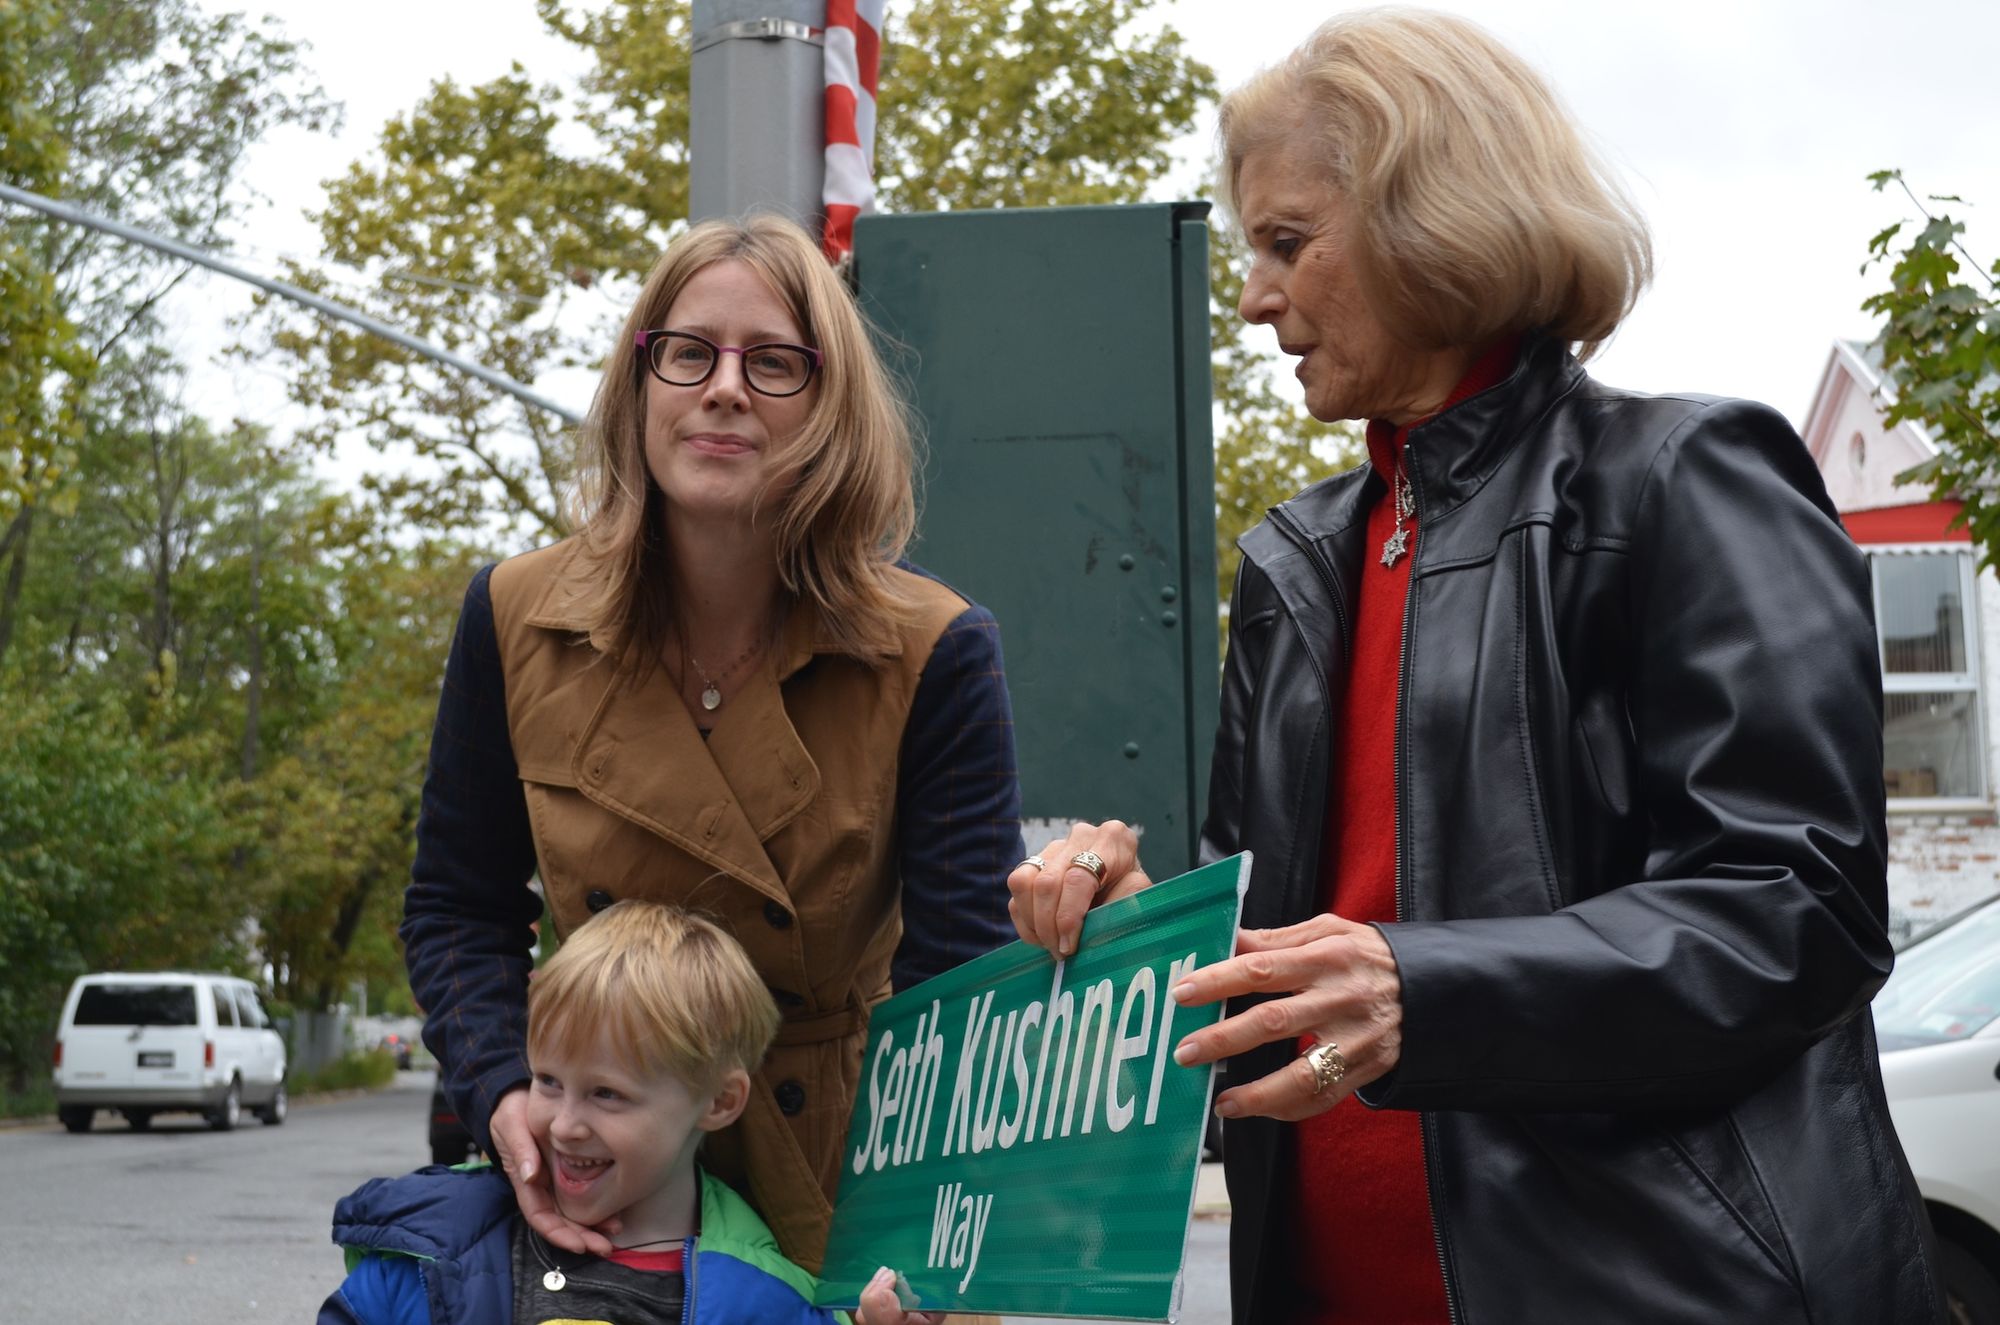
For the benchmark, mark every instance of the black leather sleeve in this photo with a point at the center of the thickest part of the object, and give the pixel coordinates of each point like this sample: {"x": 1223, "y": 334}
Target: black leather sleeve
{"x": 1222, "y": 828}
{"x": 1758, "y": 921}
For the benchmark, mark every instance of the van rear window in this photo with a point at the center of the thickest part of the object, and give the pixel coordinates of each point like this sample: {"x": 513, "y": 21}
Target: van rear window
{"x": 136, "y": 1005}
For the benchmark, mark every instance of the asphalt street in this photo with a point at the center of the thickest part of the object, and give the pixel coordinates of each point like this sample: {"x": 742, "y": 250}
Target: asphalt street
{"x": 181, "y": 1224}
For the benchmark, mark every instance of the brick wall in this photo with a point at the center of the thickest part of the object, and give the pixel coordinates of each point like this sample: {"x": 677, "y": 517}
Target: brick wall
{"x": 1939, "y": 865}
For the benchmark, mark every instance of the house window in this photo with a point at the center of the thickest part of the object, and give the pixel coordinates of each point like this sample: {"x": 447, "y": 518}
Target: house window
{"x": 1931, "y": 719}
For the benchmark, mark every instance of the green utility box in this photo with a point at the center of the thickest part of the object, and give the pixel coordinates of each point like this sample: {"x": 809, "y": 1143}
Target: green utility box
{"x": 1059, "y": 358}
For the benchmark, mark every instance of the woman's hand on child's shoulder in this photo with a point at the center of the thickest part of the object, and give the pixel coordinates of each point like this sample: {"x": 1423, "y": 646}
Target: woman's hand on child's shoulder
{"x": 880, "y": 1305}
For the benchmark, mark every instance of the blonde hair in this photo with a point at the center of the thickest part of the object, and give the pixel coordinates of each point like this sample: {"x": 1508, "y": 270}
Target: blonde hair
{"x": 1475, "y": 208}
{"x": 847, "y": 508}
{"x": 674, "y": 993}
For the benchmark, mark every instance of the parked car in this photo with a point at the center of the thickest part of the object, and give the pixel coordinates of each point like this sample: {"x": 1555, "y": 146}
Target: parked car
{"x": 165, "y": 1042}
{"x": 451, "y": 1142}
{"x": 1938, "y": 1020}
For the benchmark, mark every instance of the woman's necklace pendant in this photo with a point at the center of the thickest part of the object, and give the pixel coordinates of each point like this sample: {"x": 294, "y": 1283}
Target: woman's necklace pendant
{"x": 1405, "y": 498}
{"x": 711, "y": 697}
{"x": 554, "y": 1281}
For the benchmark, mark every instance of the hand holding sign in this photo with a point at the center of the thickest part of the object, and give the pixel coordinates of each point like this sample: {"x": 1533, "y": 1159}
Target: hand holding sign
{"x": 1344, "y": 989}
{"x": 1019, "y": 1104}
{"x": 881, "y": 1305}
{"x": 1052, "y": 892}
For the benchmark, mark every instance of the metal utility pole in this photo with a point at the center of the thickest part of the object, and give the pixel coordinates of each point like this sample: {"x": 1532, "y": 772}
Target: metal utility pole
{"x": 63, "y": 211}
{"x": 757, "y": 107}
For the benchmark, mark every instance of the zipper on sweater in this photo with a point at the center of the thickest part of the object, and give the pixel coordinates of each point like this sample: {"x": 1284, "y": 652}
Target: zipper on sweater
{"x": 687, "y": 1280}
{"x": 1426, "y": 1127}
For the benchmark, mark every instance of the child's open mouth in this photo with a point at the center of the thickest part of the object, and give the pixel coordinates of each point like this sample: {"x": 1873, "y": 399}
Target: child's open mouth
{"x": 576, "y": 1175}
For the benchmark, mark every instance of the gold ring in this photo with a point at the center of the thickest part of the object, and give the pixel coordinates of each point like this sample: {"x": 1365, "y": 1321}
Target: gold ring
{"x": 1090, "y": 863}
{"x": 1036, "y": 861}
{"x": 1329, "y": 1065}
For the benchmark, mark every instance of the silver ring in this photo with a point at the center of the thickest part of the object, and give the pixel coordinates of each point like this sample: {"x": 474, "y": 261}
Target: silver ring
{"x": 1328, "y": 1064}
{"x": 1090, "y": 863}
{"x": 1036, "y": 861}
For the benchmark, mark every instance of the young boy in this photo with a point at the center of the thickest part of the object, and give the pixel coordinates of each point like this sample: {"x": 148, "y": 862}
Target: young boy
{"x": 642, "y": 1032}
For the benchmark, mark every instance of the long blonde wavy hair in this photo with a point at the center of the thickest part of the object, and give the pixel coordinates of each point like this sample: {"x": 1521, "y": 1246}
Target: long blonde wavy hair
{"x": 847, "y": 507}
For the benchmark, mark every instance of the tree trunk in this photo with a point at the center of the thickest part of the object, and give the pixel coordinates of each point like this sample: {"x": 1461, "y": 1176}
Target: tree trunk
{"x": 167, "y": 489}
{"x": 15, "y": 544}
{"x": 253, "y": 693}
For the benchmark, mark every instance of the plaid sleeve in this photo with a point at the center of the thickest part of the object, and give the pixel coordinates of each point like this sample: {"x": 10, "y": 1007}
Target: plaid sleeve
{"x": 467, "y": 916}
{"x": 958, "y": 804}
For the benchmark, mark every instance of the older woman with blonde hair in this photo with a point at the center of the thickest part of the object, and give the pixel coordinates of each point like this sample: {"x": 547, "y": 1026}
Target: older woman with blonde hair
{"x": 1555, "y": 730}
{"x": 725, "y": 690}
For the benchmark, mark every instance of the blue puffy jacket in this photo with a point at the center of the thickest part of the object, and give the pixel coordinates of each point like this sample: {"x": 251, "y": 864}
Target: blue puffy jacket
{"x": 433, "y": 1248}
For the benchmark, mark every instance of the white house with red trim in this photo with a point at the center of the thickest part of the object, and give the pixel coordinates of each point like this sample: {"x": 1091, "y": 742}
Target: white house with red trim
{"x": 1934, "y": 612}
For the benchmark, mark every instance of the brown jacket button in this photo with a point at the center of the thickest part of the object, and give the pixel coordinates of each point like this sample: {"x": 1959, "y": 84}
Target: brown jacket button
{"x": 777, "y": 916}
{"x": 791, "y": 1098}
{"x": 597, "y": 899}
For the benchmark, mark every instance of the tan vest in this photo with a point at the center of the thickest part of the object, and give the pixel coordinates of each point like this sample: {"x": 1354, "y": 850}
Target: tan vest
{"x": 780, "y": 826}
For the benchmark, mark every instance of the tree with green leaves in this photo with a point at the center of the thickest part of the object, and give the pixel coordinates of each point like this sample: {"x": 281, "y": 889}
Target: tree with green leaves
{"x": 142, "y": 111}
{"x": 112, "y": 847}
{"x": 334, "y": 814}
{"x": 1940, "y": 342}
{"x": 188, "y": 567}
{"x": 131, "y": 833}
{"x": 45, "y": 364}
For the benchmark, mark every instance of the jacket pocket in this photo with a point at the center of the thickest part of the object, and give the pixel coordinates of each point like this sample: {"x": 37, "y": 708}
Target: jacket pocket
{"x": 1602, "y": 743}
{"x": 1714, "y": 1155}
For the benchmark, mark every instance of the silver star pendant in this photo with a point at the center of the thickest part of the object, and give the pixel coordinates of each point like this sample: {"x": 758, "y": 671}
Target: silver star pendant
{"x": 1394, "y": 546}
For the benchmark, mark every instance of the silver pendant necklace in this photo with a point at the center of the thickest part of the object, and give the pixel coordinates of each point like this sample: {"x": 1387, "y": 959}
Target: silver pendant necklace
{"x": 1405, "y": 497}
{"x": 711, "y": 686}
{"x": 711, "y": 693}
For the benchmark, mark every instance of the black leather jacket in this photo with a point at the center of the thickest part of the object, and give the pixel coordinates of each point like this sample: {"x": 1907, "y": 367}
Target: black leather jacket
{"x": 1640, "y": 846}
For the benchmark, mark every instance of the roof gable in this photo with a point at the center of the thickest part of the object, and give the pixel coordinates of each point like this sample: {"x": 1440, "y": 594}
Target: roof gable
{"x": 1858, "y": 455}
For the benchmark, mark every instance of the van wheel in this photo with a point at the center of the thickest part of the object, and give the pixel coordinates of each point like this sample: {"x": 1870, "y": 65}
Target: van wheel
{"x": 76, "y": 1118}
{"x": 141, "y": 1119}
{"x": 230, "y": 1112}
{"x": 274, "y": 1113}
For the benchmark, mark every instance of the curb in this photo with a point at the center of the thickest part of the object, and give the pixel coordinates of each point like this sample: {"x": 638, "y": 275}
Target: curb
{"x": 24, "y": 1122}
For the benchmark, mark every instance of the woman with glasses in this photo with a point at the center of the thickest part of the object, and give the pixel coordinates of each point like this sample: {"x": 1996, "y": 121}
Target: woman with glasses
{"x": 1555, "y": 732}
{"x": 724, "y": 690}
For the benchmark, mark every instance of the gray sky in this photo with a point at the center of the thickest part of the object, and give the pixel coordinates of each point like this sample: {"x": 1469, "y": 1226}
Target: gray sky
{"x": 1744, "y": 130}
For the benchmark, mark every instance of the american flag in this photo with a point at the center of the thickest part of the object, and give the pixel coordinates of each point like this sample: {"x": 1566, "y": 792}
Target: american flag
{"x": 853, "y": 53}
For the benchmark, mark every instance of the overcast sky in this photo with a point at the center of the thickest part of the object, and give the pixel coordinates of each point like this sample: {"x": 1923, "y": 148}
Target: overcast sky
{"x": 1744, "y": 128}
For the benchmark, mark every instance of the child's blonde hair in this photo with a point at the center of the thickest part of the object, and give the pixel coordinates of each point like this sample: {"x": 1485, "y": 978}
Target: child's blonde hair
{"x": 673, "y": 992}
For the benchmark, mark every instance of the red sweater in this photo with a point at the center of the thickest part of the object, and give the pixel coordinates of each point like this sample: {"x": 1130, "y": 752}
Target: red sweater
{"x": 1364, "y": 1244}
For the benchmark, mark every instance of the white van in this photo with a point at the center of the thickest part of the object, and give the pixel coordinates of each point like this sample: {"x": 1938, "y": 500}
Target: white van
{"x": 167, "y": 1042}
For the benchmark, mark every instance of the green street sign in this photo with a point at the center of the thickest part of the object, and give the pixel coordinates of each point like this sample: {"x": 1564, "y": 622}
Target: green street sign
{"x": 1023, "y": 1141}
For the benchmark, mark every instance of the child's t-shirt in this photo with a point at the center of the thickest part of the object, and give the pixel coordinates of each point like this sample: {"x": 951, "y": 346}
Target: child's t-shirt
{"x": 552, "y": 1286}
